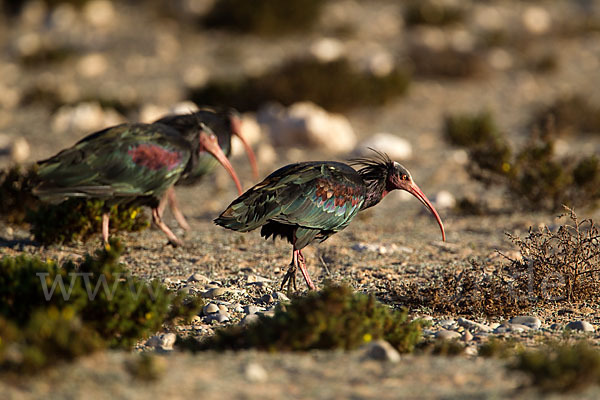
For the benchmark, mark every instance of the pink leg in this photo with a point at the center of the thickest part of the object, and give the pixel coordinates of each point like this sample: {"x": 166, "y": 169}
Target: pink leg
{"x": 163, "y": 227}
{"x": 163, "y": 203}
{"x": 105, "y": 220}
{"x": 302, "y": 265}
{"x": 174, "y": 204}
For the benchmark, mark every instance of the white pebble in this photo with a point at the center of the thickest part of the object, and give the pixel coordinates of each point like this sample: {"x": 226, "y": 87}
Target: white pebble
{"x": 394, "y": 146}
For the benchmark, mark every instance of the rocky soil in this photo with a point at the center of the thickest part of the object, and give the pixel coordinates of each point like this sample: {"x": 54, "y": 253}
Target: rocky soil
{"x": 385, "y": 248}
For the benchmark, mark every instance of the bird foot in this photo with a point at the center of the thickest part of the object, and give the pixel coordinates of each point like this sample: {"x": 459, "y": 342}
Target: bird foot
{"x": 290, "y": 279}
{"x": 175, "y": 243}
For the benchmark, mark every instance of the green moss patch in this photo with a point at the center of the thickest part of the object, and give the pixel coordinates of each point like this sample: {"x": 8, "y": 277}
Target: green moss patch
{"x": 334, "y": 318}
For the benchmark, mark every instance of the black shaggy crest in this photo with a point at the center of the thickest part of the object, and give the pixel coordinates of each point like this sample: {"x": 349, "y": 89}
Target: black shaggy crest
{"x": 374, "y": 172}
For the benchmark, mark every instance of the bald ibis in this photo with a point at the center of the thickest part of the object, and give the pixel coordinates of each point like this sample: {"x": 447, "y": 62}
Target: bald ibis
{"x": 311, "y": 201}
{"x": 224, "y": 123}
{"x": 130, "y": 164}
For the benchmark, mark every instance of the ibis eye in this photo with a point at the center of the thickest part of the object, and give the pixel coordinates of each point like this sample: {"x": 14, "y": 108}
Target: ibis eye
{"x": 404, "y": 177}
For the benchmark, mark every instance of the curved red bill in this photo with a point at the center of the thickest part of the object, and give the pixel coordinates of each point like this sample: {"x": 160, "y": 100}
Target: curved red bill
{"x": 237, "y": 131}
{"x": 413, "y": 189}
{"x": 210, "y": 143}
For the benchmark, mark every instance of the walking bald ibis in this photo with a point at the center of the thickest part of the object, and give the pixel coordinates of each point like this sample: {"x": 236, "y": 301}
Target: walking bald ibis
{"x": 130, "y": 164}
{"x": 311, "y": 201}
{"x": 225, "y": 123}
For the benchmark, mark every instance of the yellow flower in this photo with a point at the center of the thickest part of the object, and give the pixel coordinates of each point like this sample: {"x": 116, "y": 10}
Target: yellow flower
{"x": 505, "y": 167}
{"x": 367, "y": 337}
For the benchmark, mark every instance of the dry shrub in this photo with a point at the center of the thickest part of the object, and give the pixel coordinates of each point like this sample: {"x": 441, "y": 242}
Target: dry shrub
{"x": 556, "y": 267}
{"x": 562, "y": 264}
{"x": 534, "y": 177}
{"x": 473, "y": 291}
{"x": 572, "y": 114}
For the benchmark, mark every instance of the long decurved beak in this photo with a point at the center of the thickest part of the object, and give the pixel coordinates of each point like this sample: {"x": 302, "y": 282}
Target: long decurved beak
{"x": 210, "y": 144}
{"x": 413, "y": 189}
{"x": 237, "y": 131}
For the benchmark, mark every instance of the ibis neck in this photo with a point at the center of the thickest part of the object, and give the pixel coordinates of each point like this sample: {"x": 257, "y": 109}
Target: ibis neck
{"x": 376, "y": 191}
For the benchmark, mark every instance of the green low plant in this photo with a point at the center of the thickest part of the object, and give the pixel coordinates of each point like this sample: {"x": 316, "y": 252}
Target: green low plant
{"x": 79, "y": 219}
{"x": 264, "y": 17}
{"x": 334, "y": 85}
{"x": 15, "y": 193}
{"x": 560, "y": 367}
{"x": 51, "y": 312}
{"x": 534, "y": 177}
{"x": 334, "y": 318}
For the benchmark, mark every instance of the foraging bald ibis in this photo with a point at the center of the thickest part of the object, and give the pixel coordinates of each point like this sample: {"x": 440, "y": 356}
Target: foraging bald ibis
{"x": 311, "y": 201}
{"x": 225, "y": 123}
{"x": 133, "y": 164}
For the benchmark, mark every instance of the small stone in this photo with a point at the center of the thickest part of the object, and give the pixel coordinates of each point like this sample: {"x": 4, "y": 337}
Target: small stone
{"x": 223, "y": 308}
{"x": 444, "y": 200}
{"x": 196, "y": 319}
{"x": 196, "y": 76}
{"x": 269, "y": 314}
{"x": 92, "y": 65}
{"x": 504, "y": 328}
{"x": 536, "y": 19}
{"x": 20, "y": 150}
{"x": 556, "y": 327}
{"x": 382, "y": 351}
{"x": 471, "y": 351}
{"x": 580, "y": 326}
{"x": 261, "y": 285}
{"x": 529, "y": 321}
{"x": 197, "y": 278}
{"x": 151, "y": 112}
{"x": 219, "y": 317}
{"x": 467, "y": 336}
{"x": 447, "y": 335}
{"x": 473, "y": 325}
{"x": 251, "y": 309}
{"x": 256, "y": 278}
{"x": 214, "y": 292}
{"x": 164, "y": 341}
{"x": 255, "y": 373}
{"x": 99, "y": 13}
{"x": 396, "y": 147}
{"x": 186, "y": 290}
{"x": 327, "y": 49}
{"x": 307, "y": 124}
{"x": 210, "y": 309}
{"x": 519, "y": 328}
{"x": 238, "y": 308}
{"x": 448, "y": 323}
{"x": 250, "y": 319}
{"x": 281, "y": 297}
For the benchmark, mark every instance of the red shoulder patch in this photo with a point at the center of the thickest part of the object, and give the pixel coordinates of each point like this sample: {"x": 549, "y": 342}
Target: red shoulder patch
{"x": 154, "y": 157}
{"x": 342, "y": 193}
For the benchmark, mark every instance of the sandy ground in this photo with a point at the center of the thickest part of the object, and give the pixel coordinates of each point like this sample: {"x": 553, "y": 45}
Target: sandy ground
{"x": 231, "y": 259}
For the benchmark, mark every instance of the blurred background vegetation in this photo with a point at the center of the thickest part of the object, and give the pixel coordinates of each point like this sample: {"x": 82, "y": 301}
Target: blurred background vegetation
{"x": 413, "y": 69}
